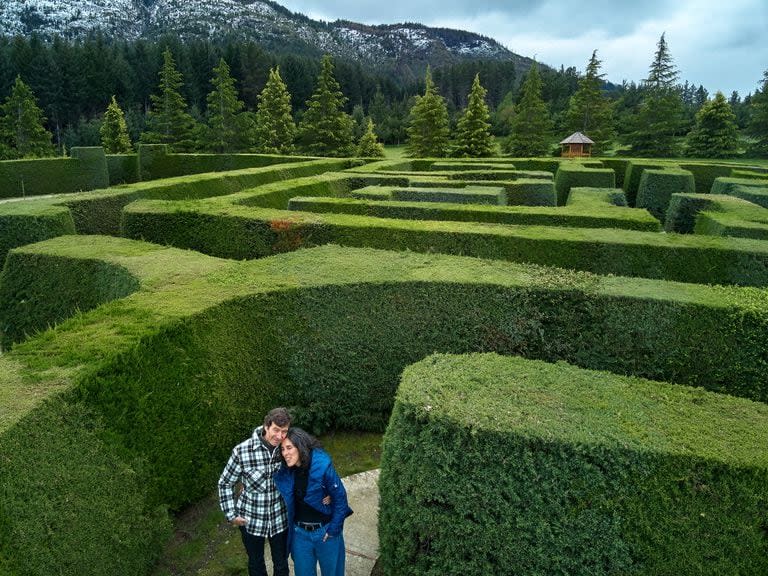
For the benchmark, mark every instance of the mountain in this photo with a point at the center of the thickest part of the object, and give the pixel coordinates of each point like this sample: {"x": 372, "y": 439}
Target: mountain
{"x": 404, "y": 48}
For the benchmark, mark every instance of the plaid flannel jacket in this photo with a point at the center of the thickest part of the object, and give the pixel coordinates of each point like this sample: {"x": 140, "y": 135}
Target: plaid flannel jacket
{"x": 252, "y": 464}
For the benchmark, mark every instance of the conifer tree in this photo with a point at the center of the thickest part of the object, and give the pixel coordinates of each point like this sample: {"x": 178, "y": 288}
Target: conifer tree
{"x": 168, "y": 121}
{"x": 22, "y": 133}
{"x": 660, "y": 116}
{"x": 473, "y": 134}
{"x": 428, "y": 128}
{"x": 758, "y": 122}
{"x": 369, "y": 146}
{"x": 114, "y": 130}
{"x": 531, "y": 123}
{"x": 228, "y": 129}
{"x": 275, "y": 129}
{"x": 715, "y": 134}
{"x": 589, "y": 112}
{"x": 325, "y": 129}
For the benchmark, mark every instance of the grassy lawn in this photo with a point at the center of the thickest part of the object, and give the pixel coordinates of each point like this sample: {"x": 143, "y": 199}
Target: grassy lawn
{"x": 204, "y": 544}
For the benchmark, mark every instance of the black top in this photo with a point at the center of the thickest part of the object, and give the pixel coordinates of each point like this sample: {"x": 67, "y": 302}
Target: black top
{"x": 305, "y": 512}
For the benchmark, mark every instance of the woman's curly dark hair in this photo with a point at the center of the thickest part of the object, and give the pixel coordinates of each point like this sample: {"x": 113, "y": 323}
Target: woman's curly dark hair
{"x": 304, "y": 442}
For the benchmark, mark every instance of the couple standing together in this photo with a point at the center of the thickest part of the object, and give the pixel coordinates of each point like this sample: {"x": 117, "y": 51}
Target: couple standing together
{"x": 291, "y": 495}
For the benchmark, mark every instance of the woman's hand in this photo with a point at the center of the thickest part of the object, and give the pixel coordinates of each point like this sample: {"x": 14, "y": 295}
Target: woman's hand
{"x": 327, "y": 500}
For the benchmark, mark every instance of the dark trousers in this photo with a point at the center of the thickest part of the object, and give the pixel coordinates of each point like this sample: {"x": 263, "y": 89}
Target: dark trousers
{"x": 254, "y": 546}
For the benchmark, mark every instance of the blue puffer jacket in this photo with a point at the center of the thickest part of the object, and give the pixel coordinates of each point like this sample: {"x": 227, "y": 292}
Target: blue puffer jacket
{"x": 323, "y": 481}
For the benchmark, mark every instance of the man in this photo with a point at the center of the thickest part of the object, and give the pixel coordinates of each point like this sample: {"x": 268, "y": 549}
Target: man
{"x": 259, "y": 510}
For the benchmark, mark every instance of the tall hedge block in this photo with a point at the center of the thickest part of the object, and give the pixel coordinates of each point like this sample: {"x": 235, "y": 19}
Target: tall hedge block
{"x": 657, "y": 186}
{"x": 633, "y": 174}
{"x": 726, "y": 185}
{"x": 19, "y": 225}
{"x": 85, "y": 170}
{"x": 551, "y": 469}
{"x": 576, "y": 175}
{"x": 619, "y": 166}
{"x": 531, "y": 192}
{"x": 123, "y": 168}
{"x": 706, "y": 174}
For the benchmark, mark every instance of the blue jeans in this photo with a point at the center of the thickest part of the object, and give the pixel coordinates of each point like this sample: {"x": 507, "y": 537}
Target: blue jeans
{"x": 308, "y": 549}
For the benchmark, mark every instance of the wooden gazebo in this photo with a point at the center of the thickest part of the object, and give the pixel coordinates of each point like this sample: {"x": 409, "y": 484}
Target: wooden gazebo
{"x": 576, "y": 146}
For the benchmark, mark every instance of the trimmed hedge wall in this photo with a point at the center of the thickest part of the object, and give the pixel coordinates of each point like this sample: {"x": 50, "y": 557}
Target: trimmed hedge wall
{"x": 496, "y": 174}
{"x": 576, "y": 175}
{"x": 595, "y": 214}
{"x": 572, "y": 472}
{"x": 705, "y": 174}
{"x": 619, "y": 167}
{"x": 99, "y": 212}
{"x": 597, "y": 198}
{"x": 172, "y": 376}
{"x": 729, "y": 185}
{"x": 85, "y": 170}
{"x": 685, "y": 211}
{"x": 123, "y": 168}
{"x": 657, "y": 186}
{"x": 470, "y": 195}
{"x": 229, "y": 231}
{"x": 155, "y": 162}
{"x": 633, "y": 174}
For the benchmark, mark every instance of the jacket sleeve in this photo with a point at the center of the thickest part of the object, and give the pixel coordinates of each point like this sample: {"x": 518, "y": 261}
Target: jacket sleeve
{"x": 339, "y": 503}
{"x": 229, "y": 477}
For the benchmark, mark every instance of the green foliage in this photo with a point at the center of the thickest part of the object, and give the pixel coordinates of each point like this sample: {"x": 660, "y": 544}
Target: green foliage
{"x": 473, "y": 134}
{"x": 114, "y": 130}
{"x": 659, "y": 118}
{"x": 716, "y": 214}
{"x": 705, "y": 174}
{"x": 758, "y": 119}
{"x": 22, "y": 134}
{"x": 428, "y": 128}
{"x": 369, "y": 146}
{"x": 325, "y": 129}
{"x": 275, "y": 129}
{"x": 715, "y": 134}
{"x": 229, "y": 128}
{"x": 582, "y": 473}
{"x": 571, "y": 175}
{"x": 168, "y": 121}
{"x": 634, "y": 173}
{"x": 589, "y": 111}
{"x": 657, "y": 186}
{"x": 531, "y": 124}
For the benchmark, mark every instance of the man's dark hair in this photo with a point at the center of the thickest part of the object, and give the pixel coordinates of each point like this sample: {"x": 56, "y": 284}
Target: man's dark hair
{"x": 279, "y": 416}
{"x": 305, "y": 443}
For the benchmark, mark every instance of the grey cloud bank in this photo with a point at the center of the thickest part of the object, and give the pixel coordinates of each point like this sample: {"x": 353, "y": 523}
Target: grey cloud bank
{"x": 720, "y": 45}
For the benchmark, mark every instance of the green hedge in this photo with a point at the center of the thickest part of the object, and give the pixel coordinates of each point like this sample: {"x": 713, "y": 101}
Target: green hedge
{"x": 85, "y": 170}
{"x": 706, "y": 174}
{"x": 500, "y": 174}
{"x": 99, "y": 212}
{"x": 229, "y": 231}
{"x": 551, "y": 469}
{"x": 123, "y": 168}
{"x": 470, "y": 195}
{"x": 633, "y": 174}
{"x": 587, "y": 215}
{"x": 169, "y": 378}
{"x": 598, "y": 198}
{"x": 685, "y": 210}
{"x": 156, "y": 161}
{"x": 619, "y": 167}
{"x": 657, "y": 186}
{"x": 531, "y": 192}
{"x": 26, "y": 305}
{"x": 576, "y": 175}
{"x": 729, "y": 185}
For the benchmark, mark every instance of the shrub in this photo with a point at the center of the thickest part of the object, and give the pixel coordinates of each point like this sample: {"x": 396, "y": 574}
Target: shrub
{"x": 633, "y": 174}
{"x": 22, "y": 224}
{"x": 657, "y": 186}
{"x": 619, "y": 167}
{"x": 531, "y": 192}
{"x": 705, "y": 174}
{"x": 473, "y": 195}
{"x": 686, "y": 210}
{"x": 123, "y": 168}
{"x": 573, "y": 471}
{"x": 573, "y": 175}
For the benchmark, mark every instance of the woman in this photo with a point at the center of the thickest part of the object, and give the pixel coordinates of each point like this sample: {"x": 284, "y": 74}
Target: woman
{"x": 306, "y": 481}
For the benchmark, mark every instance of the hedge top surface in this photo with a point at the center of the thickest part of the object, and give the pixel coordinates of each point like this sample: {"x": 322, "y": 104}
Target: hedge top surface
{"x": 563, "y": 403}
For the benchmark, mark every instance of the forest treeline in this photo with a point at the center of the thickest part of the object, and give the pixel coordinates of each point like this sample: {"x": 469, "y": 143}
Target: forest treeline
{"x": 74, "y": 83}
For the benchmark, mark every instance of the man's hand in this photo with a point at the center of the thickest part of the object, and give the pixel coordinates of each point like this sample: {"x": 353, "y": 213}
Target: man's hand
{"x": 239, "y": 521}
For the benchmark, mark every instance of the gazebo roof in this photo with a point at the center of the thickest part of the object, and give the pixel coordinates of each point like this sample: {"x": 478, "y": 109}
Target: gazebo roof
{"x": 577, "y": 138}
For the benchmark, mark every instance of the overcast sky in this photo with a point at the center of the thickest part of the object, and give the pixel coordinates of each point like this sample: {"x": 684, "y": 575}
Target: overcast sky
{"x": 721, "y": 44}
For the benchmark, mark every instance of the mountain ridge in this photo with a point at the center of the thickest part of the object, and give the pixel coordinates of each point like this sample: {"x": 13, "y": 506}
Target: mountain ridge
{"x": 407, "y": 47}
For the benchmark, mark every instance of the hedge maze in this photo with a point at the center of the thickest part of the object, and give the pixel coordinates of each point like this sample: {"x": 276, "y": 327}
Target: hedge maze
{"x": 598, "y": 403}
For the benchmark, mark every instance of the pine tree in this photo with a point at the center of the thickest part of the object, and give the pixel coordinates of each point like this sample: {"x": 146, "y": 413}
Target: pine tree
{"x": 758, "y": 121}
{"x": 531, "y": 124}
{"x": 715, "y": 134}
{"x": 428, "y": 128}
{"x": 22, "y": 134}
{"x": 589, "y": 112}
{"x": 168, "y": 121}
{"x": 325, "y": 129}
{"x": 114, "y": 130}
{"x": 228, "y": 129}
{"x": 275, "y": 130}
{"x": 473, "y": 134}
{"x": 369, "y": 146}
{"x": 660, "y": 115}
